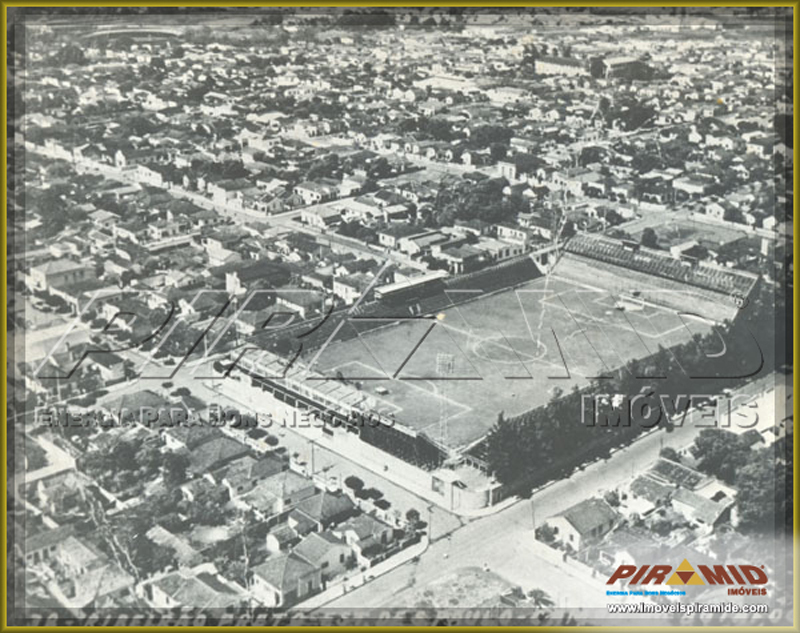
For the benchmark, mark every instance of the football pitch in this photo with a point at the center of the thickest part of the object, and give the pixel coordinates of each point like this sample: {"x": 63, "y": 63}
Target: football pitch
{"x": 509, "y": 351}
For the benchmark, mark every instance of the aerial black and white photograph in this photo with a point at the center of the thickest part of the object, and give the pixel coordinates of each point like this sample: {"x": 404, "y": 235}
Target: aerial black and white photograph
{"x": 400, "y": 316}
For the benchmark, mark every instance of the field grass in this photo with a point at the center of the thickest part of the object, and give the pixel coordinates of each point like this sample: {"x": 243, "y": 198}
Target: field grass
{"x": 510, "y": 352}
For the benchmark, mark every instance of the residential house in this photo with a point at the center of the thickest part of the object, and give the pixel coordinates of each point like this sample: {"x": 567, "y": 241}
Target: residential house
{"x": 538, "y": 226}
{"x": 59, "y": 273}
{"x": 692, "y": 186}
{"x": 326, "y": 551}
{"x": 461, "y": 259}
{"x": 245, "y": 473}
{"x": 352, "y": 287}
{"x": 565, "y": 66}
{"x": 304, "y": 302}
{"x": 188, "y": 438}
{"x": 584, "y": 523}
{"x": 708, "y": 505}
{"x": 761, "y": 146}
{"x": 187, "y": 588}
{"x": 321, "y": 218}
{"x": 421, "y": 243}
{"x": 214, "y": 454}
{"x": 284, "y": 580}
{"x": 320, "y": 512}
{"x": 391, "y": 235}
{"x": 43, "y": 547}
{"x": 221, "y": 245}
{"x": 367, "y": 536}
{"x": 88, "y": 576}
{"x": 287, "y": 487}
{"x": 281, "y": 538}
{"x": 110, "y": 365}
{"x": 315, "y": 192}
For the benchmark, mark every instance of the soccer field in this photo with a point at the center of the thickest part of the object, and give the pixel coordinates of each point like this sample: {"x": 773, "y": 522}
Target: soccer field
{"x": 507, "y": 352}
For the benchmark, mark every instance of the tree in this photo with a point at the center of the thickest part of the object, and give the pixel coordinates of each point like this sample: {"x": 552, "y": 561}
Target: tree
{"x": 379, "y": 169}
{"x": 732, "y": 214}
{"x": 611, "y": 216}
{"x": 148, "y": 557}
{"x": 649, "y": 238}
{"x": 670, "y": 453}
{"x": 69, "y": 54}
{"x": 757, "y": 497}
{"x": 486, "y": 135}
{"x": 545, "y": 534}
{"x": 412, "y": 516}
{"x": 612, "y": 498}
{"x": 354, "y": 483}
{"x": 591, "y": 154}
{"x": 719, "y": 453}
{"x": 498, "y": 151}
{"x": 540, "y": 598}
{"x": 175, "y": 467}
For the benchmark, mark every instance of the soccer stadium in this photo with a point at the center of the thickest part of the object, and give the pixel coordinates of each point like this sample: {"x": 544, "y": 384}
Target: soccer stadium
{"x": 443, "y": 358}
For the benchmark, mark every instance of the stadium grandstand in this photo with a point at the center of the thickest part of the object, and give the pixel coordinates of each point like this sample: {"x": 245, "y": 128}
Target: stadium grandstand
{"x": 414, "y": 300}
{"x": 343, "y": 408}
{"x": 659, "y": 264}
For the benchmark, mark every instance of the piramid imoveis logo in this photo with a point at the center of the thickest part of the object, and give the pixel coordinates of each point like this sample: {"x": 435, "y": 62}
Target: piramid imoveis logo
{"x": 686, "y": 574}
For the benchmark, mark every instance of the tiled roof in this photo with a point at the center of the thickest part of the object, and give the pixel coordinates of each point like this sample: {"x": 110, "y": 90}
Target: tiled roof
{"x": 314, "y": 546}
{"x": 326, "y": 505}
{"x": 589, "y": 514}
{"x": 284, "y": 571}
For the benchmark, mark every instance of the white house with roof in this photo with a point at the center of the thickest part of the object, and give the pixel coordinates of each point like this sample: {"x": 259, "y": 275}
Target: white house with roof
{"x": 284, "y": 580}
{"x": 584, "y": 523}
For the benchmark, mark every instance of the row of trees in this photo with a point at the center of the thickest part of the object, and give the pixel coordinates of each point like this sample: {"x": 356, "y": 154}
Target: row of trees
{"x": 552, "y": 440}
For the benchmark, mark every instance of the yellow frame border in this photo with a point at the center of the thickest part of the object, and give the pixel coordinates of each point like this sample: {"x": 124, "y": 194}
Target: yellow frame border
{"x": 369, "y": 3}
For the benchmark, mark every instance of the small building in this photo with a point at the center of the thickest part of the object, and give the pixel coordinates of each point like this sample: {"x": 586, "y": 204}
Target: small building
{"x": 60, "y": 273}
{"x": 327, "y": 551}
{"x": 204, "y": 590}
{"x": 247, "y": 472}
{"x": 350, "y": 288}
{"x": 323, "y": 510}
{"x": 284, "y": 580}
{"x": 584, "y": 523}
{"x": 367, "y": 536}
{"x": 304, "y": 302}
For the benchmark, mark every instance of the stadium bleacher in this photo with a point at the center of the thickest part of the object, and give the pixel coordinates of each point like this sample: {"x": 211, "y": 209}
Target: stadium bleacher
{"x": 661, "y": 265}
{"x": 286, "y": 341}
